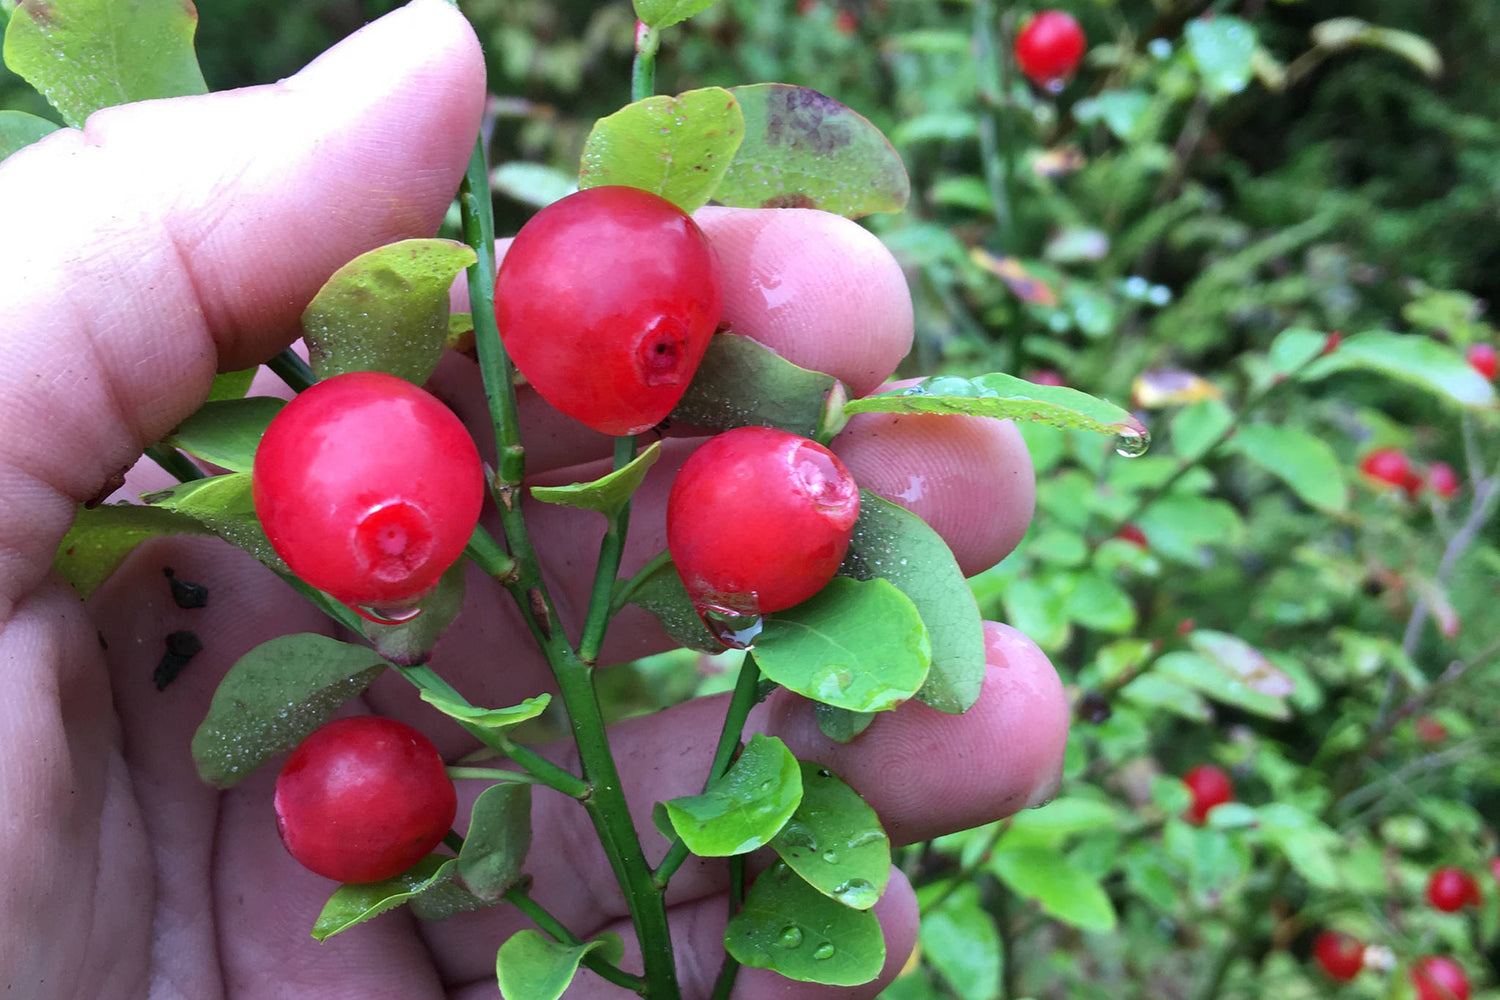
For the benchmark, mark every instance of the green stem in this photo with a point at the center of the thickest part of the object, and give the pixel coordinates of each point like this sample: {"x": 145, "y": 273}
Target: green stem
{"x": 494, "y": 774}
{"x": 178, "y": 465}
{"x": 518, "y": 897}
{"x": 291, "y": 369}
{"x": 622, "y": 598}
{"x": 643, "y": 70}
{"x": 610, "y": 551}
{"x": 489, "y": 556}
{"x": 998, "y": 152}
{"x": 746, "y": 694}
{"x": 1240, "y": 935}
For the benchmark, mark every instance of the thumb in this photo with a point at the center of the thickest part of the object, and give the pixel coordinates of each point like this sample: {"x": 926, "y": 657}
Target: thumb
{"x": 171, "y": 239}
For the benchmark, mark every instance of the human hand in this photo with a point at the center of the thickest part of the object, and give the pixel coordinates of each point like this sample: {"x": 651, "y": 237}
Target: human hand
{"x": 192, "y": 234}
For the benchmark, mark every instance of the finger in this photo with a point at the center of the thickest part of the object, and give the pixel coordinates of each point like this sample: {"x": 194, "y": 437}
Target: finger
{"x": 203, "y": 260}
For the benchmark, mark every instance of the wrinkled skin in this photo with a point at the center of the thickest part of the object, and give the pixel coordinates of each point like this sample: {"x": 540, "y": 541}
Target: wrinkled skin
{"x": 174, "y": 239}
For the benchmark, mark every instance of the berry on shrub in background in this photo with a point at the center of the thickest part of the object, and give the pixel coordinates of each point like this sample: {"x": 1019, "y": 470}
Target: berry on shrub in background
{"x": 1442, "y": 480}
{"x": 1495, "y": 868}
{"x": 1388, "y": 467}
{"x": 363, "y": 799}
{"x": 1134, "y": 535}
{"x": 1210, "y": 786}
{"x": 1438, "y": 977}
{"x": 1045, "y": 376}
{"x": 606, "y": 301}
{"x": 1429, "y": 730}
{"x": 758, "y": 520}
{"x": 1339, "y": 955}
{"x": 1049, "y": 47}
{"x": 1482, "y": 359}
{"x": 369, "y": 488}
{"x": 1451, "y": 889}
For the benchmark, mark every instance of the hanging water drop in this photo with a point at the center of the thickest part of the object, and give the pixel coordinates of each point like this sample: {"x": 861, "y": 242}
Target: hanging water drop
{"x": 1131, "y": 443}
{"x": 734, "y": 628}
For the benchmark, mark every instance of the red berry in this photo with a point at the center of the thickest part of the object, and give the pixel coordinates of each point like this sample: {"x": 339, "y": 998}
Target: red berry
{"x": 368, "y": 487}
{"x": 845, "y": 22}
{"x": 606, "y": 301}
{"x": 1387, "y": 465}
{"x": 1049, "y": 48}
{"x": 1438, "y": 977}
{"x": 1045, "y": 376}
{"x": 1331, "y": 343}
{"x": 1429, "y": 730}
{"x": 1339, "y": 955}
{"x": 1482, "y": 359}
{"x": 1132, "y": 534}
{"x": 1451, "y": 889}
{"x": 1495, "y": 867}
{"x": 1442, "y": 480}
{"x": 1211, "y": 786}
{"x": 363, "y": 799}
{"x": 759, "y": 519}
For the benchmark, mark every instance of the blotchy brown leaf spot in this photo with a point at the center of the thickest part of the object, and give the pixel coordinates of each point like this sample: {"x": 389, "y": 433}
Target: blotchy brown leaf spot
{"x": 798, "y": 116}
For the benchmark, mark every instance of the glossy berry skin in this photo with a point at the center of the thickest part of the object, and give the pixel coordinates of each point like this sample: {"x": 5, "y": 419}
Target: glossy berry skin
{"x": 1049, "y": 47}
{"x": 1481, "y": 358}
{"x": 759, "y": 519}
{"x": 363, "y": 799}
{"x": 1438, "y": 977}
{"x": 1442, "y": 480}
{"x": 1451, "y": 889}
{"x": 1134, "y": 535}
{"x": 1339, "y": 955}
{"x": 606, "y": 301}
{"x": 1389, "y": 466}
{"x": 368, "y": 487}
{"x": 1211, "y": 786}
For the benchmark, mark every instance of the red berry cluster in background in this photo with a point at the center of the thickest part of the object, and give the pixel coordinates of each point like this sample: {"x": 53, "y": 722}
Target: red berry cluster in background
{"x": 1481, "y": 358}
{"x": 1339, "y": 955}
{"x": 1391, "y": 468}
{"x": 1210, "y": 787}
{"x": 1438, "y": 977}
{"x": 1049, "y": 48}
{"x": 1451, "y": 889}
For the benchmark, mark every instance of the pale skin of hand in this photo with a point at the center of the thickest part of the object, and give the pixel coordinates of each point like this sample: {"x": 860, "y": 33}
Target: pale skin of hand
{"x": 171, "y": 240}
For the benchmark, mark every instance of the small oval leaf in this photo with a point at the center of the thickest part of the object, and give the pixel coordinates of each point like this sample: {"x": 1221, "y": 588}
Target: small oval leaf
{"x": 19, "y": 130}
{"x": 497, "y": 841}
{"x": 488, "y": 718}
{"x": 1413, "y": 359}
{"x": 741, "y": 383}
{"x": 354, "y": 904}
{"x": 661, "y": 13}
{"x": 835, "y": 842}
{"x": 745, "y": 807}
{"x": 528, "y": 966}
{"x": 1060, "y": 887}
{"x": 607, "y": 494}
{"x": 102, "y": 537}
{"x": 225, "y": 506}
{"x": 1223, "y": 49}
{"x": 789, "y": 927}
{"x": 227, "y": 432}
{"x": 663, "y": 595}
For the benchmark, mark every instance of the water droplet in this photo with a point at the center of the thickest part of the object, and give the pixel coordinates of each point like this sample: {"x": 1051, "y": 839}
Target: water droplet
{"x": 825, "y": 951}
{"x": 1130, "y": 443}
{"x": 1055, "y": 86}
{"x": 853, "y": 892}
{"x": 388, "y": 615}
{"x": 736, "y": 629}
{"x": 791, "y": 937}
{"x": 831, "y": 857}
{"x": 1136, "y": 286}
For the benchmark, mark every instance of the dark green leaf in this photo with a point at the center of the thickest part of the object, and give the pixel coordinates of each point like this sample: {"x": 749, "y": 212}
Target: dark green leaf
{"x": 677, "y": 147}
{"x": 1413, "y": 359}
{"x": 273, "y": 697}
{"x": 661, "y": 13}
{"x": 960, "y": 940}
{"x": 1062, "y": 889}
{"x": 607, "y": 494}
{"x": 835, "y": 842}
{"x": 444, "y": 897}
{"x": 805, "y": 150}
{"x": 1298, "y": 458}
{"x": 411, "y": 641}
{"x": 1006, "y": 397}
{"x": 489, "y": 718}
{"x": 840, "y": 724}
{"x": 1124, "y": 112}
{"x": 231, "y": 385}
{"x": 497, "y": 840}
{"x": 225, "y": 506}
{"x": 789, "y": 927}
{"x": 19, "y": 130}
{"x": 101, "y": 538}
{"x": 354, "y": 904}
{"x": 227, "y": 433}
{"x": 1097, "y": 602}
{"x": 529, "y": 966}
{"x": 664, "y": 596}
{"x": 385, "y": 310}
{"x": 742, "y": 384}
{"x": 893, "y": 544}
{"x": 741, "y": 810}
{"x": 1223, "y": 48}
{"x": 90, "y": 54}
{"x": 855, "y": 645}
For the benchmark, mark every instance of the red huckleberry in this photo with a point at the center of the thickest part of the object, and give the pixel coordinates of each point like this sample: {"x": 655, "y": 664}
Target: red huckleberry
{"x": 1339, "y": 955}
{"x": 758, "y": 520}
{"x": 363, "y": 799}
{"x": 1210, "y": 786}
{"x": 1388, "y": 466}
{"x": 606, "y": 301}
{"x": 1438, "y": 977}
{"x": 1495, "y": 867}
{"x": 1481, "y": 358}
{"x": 369, "y": 488}
{"x": 1451, "y": 889}
{"x": 1049, "y": 47}
{"x": 1045, "y": 376}
{"x": 1134, "y": 535}
{"x": 1429, "y": 730}
{"x": 1442, "y": 480}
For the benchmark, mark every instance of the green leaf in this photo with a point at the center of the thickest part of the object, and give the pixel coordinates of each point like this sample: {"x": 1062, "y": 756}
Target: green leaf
{"x": 90, "y": 54}
{"x": 1199, "y": 674}
{"x": 1060, "y": 819}
{"x": 661, "y": 13}
{"x": 663, "y": 595}
{"x": 354, "y": 904}
{"x": 386, "y": 310}
{"x": 1155, "y": 692}
{"x": 677, "y": 147}
{"x": 743, "y": 384}
{"x": 102, "y": 537}
{"x": 1303, "y": 840}
{"x": 1223, "y": 48}
{"x": 533, "y": 184}
{"x": 840, "y": 724}
{"x": 1196, "y": 427}
{"x": 1295, "y": 347}
{"x": 1005, "y": 397}
{"x": 529, "y": 966}
{"x": 225, "y": 506}
{"x": 893, "y": 544}
{"x": 411, "y": 641}
{"x": 1242, "y": 662}
{"x": 1059, "y": 887}
{"x": 273, "y": 697}
{"x": 835, "y": 842}
{"x": 1340, "y": 33}
{"x": 19, "y": 130}
{"x": 607, "y": 494}
{"x": 1037, "y": 607}
{"x": 805, "y": 150}
{"x": 227, "y": 432}
{"x": 1187, "y": 528}
{"x": 231, "y": 385}
{"x": 489, "y": 718}
{"x": 1095, "y": 601}
{"x": 745, "y": 807}
{"x": 1413, "y": 359}
{"x": 1123, "y": 112}
{"x": 1295, "y": 456}
{"x": 960, "y": 940}
{"x": 855, "y": 645}
{"x": 497, "y": 840}
{"x": 791, "y": 928}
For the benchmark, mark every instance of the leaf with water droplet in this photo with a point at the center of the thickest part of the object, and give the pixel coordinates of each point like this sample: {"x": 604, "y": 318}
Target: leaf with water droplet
{"x": 411, "y": 640}
{"x": 677, "y": 147}
{"x": 661, "y": 13}
{"x": 1411, "y": 358}
{"x": 835, "y": 842}
{"x": 497, "y": 840}
{"x": 1004, "y": 397}
{"x": 662, "y": 594}
{"x": 858, "y": 645}
{"x": 385, "y": 310}
{"x": 531, "y": 966}
{"x": 226, "y": 432}
{"x": 741, "y": 383}
{"x": 745, "y": 807}
{"x": 837, "y": 946}
{"x": 273, "y": 697}
{"x": 609, "y": 493}
{"x": 225, "y": 506}
{"x": 1223, "y": 49}
{"x": 354, "y": 904}
{"x": 805, "y": 150}
{"x": 842, "y": 725}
